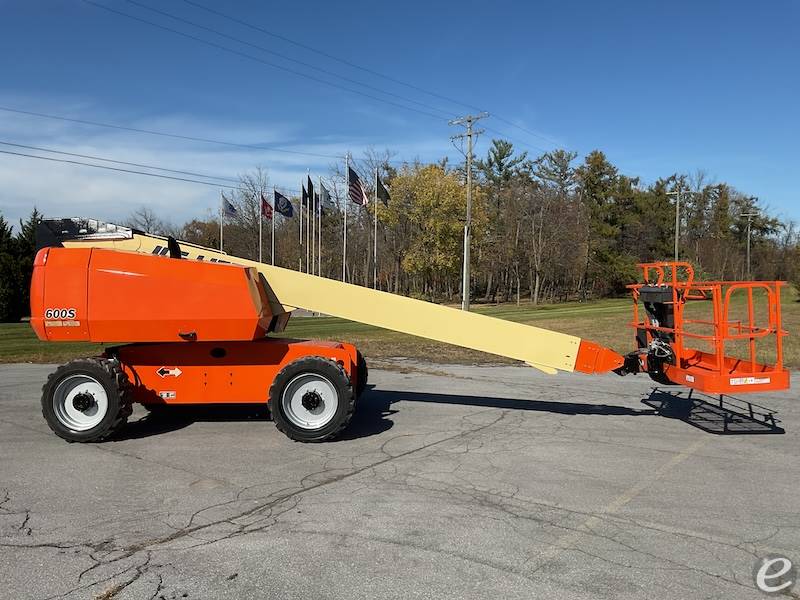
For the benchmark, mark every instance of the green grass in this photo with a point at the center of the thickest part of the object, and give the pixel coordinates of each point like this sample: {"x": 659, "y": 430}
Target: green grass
{"x": 19, "y": 344}
{"x": 603, "y": 321}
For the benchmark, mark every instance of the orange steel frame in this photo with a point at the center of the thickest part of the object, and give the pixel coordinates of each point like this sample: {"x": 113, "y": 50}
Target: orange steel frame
{"x": 238, "y": 372}
{"x": 714, "y": 372}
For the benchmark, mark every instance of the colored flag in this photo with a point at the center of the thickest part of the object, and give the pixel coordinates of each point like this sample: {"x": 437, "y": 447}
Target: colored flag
{"x": 325, "y": 196}
{"x": 383, "y": 193}
{"x": 310, "y": 188}
{"x": 228, "y": 209}
{"x": 304, "y": 198}
{"x": 283, "y": 205}
{"x": 266, "y": 209}
{"x": 356, "y": 189}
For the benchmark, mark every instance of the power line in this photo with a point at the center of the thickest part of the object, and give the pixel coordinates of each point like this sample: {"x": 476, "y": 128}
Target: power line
{"x": 510, "y": 139}
{"x": 300, "y": 73}
{"x": 325, "y": 54}
{"x": 259, "y": 60}
{"x": 119, "y": 162}
{"x": 166, "y": 134}
{"x": 528, "y": 131}
{"x": 290, "y": 191}
{"x": 118, "y": 169}
{"x": 285, "y": 57}
{"x": 366, "y": 69}
{"x": 189, "y": 138}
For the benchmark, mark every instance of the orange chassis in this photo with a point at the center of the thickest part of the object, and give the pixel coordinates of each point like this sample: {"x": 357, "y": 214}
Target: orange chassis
{"x": 219, "y": 372}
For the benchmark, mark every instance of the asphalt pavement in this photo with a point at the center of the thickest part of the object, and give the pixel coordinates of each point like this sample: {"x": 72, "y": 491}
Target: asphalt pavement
{"x": 452, "y": 482}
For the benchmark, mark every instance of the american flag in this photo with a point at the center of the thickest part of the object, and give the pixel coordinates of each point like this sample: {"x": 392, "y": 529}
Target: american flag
{"x": 356, "y": 189}
{"x": 228, "y": 209}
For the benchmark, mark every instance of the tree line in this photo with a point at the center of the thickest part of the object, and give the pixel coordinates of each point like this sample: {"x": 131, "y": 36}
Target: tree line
{"x": 545, "y": 229}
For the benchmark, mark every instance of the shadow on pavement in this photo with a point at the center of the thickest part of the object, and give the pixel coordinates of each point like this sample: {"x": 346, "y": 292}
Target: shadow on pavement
{"x": 375, "y": 409}
{"x": 372, "y": 416}
{"x": 172, "y": 418}
{"x": 724, "y": 415}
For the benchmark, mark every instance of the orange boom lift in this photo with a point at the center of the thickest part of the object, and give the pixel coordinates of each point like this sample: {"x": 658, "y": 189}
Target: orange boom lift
{"x": 191, "y": 325}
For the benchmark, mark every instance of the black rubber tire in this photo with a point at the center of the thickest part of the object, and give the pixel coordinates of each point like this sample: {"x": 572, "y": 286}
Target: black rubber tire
{"x": 107, "y": 373}
{"x": 363, "y": 373}
{"x": 331, "y": 371}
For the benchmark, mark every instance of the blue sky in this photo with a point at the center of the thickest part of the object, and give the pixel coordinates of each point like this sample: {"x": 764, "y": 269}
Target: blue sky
{"x": 659, "y": 86}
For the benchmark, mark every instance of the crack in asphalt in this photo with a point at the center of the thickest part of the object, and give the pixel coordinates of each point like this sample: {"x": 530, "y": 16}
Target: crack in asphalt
{"x": 252, "y": 510}
{"x": 25, "y": 513}
{"x": 104, "y": 448}
{"x": 147, "y": 547}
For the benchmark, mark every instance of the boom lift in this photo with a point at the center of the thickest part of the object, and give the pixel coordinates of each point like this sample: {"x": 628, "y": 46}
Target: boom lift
{"x": 192, "y": 324}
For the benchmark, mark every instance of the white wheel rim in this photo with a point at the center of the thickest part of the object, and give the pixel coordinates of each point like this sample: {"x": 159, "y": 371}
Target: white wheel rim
{"x": 80, "y": 402}
{"x": 310, "y": 401}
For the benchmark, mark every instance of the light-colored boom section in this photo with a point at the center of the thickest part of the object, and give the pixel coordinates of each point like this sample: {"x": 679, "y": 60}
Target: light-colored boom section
{"x": 541, "y": 348}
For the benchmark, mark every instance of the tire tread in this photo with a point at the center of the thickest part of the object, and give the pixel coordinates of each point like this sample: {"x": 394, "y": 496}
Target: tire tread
{"x": 308, "y": 363}
{"x": 115, "y": 374}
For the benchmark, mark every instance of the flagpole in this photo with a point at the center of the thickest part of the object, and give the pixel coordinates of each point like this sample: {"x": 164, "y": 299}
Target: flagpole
{"x": 375, "y": 236}
{"x": 313, "y": 264}
{"x": 319, "y": 228}
{"x": 314, "y": 254}
{"x": 272, "y": 236}
{"x": 300, "y": 211}
{"x": 260, "y": 222}
{"x": 308, "y": 224}
{"x": 346, "y": 199}
{"x": 220, "y": 222}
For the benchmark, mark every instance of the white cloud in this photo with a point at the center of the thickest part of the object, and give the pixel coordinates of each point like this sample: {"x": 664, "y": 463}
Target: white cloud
{"x": 58, "y": 189}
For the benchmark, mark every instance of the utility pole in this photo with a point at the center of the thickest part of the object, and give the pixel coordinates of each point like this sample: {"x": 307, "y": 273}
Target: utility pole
{"x": 677, "y": 194}
{"x": 468, "y": 122}
{"x": 750, "y": 214}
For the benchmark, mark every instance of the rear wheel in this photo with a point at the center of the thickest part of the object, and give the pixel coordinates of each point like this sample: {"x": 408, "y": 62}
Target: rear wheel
{"x": 311, "y": 399}
{"x": 86, "y": 399}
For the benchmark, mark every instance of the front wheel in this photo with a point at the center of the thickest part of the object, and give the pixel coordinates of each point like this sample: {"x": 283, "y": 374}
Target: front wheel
{"x": 312, "y": 399}
{"x": 86, "y": 400}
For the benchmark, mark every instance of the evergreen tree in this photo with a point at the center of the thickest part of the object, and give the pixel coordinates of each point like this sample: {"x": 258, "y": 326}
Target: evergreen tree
{"x": 9, "y": 275}
{"x": 25, "y": 243}
{"x": 6, "y": 238}
{"x": 555, "y": 168}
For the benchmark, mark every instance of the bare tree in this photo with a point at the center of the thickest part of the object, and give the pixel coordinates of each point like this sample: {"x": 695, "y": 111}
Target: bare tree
{"x": 145, "y": 219}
